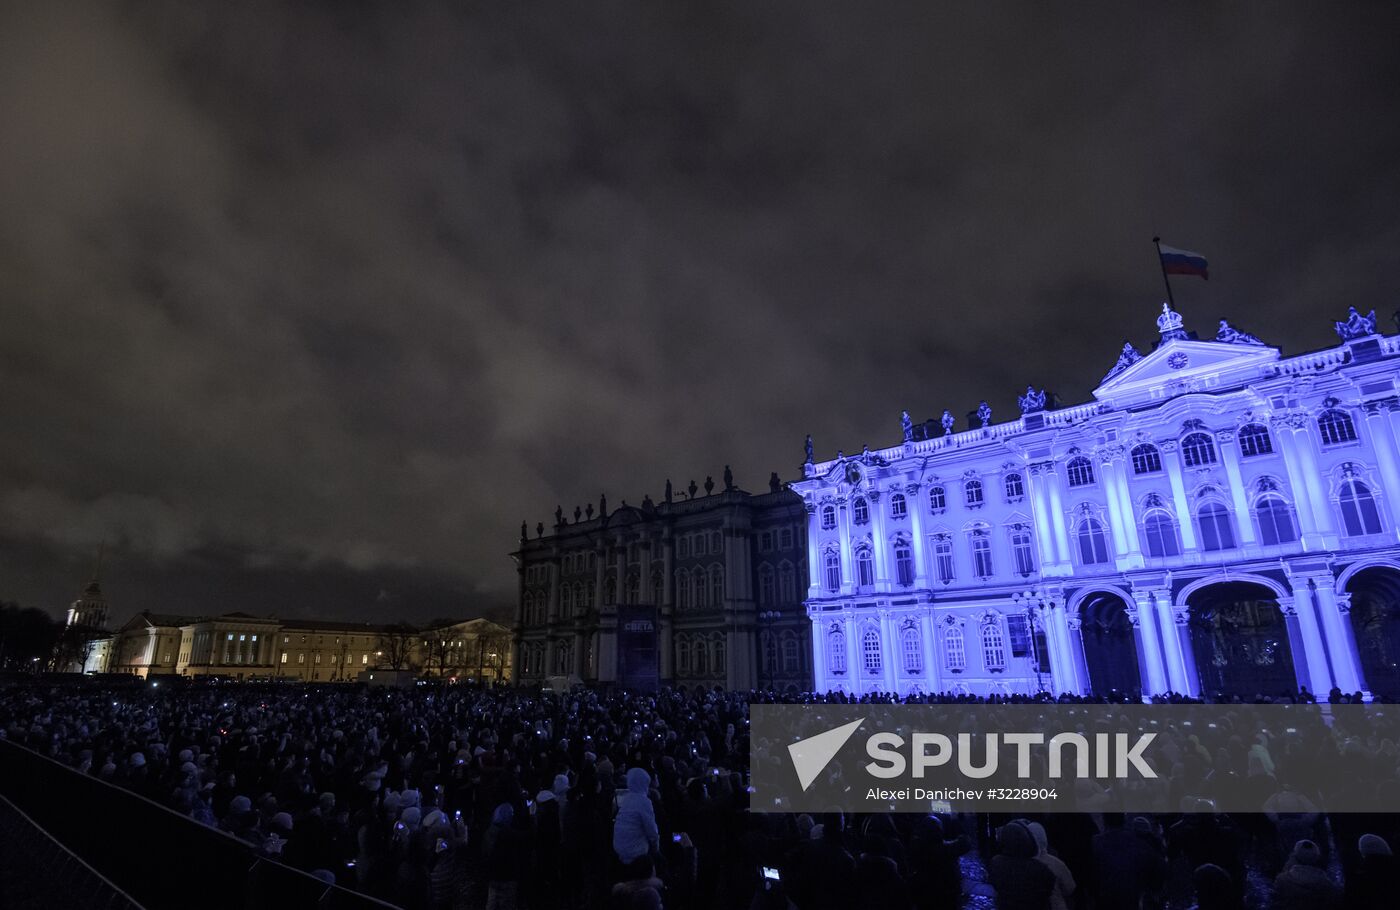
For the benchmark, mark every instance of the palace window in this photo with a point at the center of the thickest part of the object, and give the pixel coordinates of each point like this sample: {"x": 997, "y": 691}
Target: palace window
{"x": 1146, "y": 459}
{"x": 981, "y": 554}
{"x": 1336, "y": 427}
{"x": 785, "y": 538}
{"x": 993, "y": 644}
{"x": 765, "y": 541}
{"x": 791, "y": 661}
{"x": 699, "y": 657}
{"x": 903, "y": 563}
{"x": 937, "y": 500}
{"x": 716, "y": 585}
{"x": 1216, "y": 531}
{"x": 682, "y": 654}
{"x": 1275, "y": 521}
{"x": 860, "y": 512}
{"x": 699, "y": 592}
{"x": 972, "y": 493}
{"x": 954, "y": 648}
{"x": 898, "y": 507}
{"x": 828, "y": 517}
{"x": 1254, "y": 440}
{"x": 699, "y": 548}
{"x": 718, "y": 661}
{"x": 1197, "y": 449}
{"x": 865, "y": 567}
{"x": 682, "y": 589}
{"x": 1021, "y": 551}
{"x": 683, "y": 547}
{"x": 767, "y": 590}
{"x": 1080, "y": 471}
{"x": 1160, "y": 533}
{"x": 831, "y": 566}
{"x": 1015, "y": 488}
{"x": 912, "y": 649}
{"x": 836, "y": 651}
{"x": 1093, "y": 545}
{"x": 787, "y": 583}
{"x": 1359, "y": 513}
{"x": 943, "y": 558}
{"x": 870, "y": 651}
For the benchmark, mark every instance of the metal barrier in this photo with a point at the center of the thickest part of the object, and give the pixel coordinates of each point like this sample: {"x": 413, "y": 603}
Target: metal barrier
{"x": 159, "y": 858}
{"x": 39, "y": 873}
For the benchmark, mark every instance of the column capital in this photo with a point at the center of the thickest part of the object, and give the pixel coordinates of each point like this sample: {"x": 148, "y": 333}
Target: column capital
{"x": 1343, "y": 603}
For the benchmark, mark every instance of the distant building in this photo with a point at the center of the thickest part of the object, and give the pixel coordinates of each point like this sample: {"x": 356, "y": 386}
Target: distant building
{"x": 1218, "y": 518}
{"x": 694, "y": 590}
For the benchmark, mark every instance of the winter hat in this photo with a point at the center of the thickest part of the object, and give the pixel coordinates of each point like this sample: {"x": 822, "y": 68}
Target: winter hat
{"x": 409, "y": 798}
{"x": 186, "y": 755}
{"x": 544, "y": 796}
{"x": 1307, "y": 853}
{"x": 434, "y": 818}
{"x": 503, "y": 814}
{"x": 138, "y": 760}
{"x": 282, "y": 820}
{"x": 240, "y": 805}
{"x": 1373, "y": 845}
{"x": 412, "y": 816}
{"x": 561, "y": 785}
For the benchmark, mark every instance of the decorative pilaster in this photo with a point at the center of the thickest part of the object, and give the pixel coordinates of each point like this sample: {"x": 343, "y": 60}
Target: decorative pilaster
{"x": 1230, "y": 452}
{"x": 1382, "y": 441}
{"x": 879, "y": 540}
{"x": 1177, "y": 671}
{"x": 1149, "y": 649}
{"x": 1339, "y": 634}
{"x": 1073, "y": 626}
{"x": 920, "y": 543}
{"x": 1185, "y": 518}
{"x": 1318, "y": 678}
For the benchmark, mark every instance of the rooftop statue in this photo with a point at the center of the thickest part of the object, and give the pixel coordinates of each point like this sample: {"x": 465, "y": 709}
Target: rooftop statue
{"x": 1356, "y": 326}
{"x": 1032, "y": 401}
{"x": 1169, "y": 323}
{"x": 947, "y": 421}
{"x": 906, "y": 424}
{"x": 1231, "y": 335}
{"x": 984, "y": 414}
{"x": 1126, "y": 358}
{"x": 808, "y": 446}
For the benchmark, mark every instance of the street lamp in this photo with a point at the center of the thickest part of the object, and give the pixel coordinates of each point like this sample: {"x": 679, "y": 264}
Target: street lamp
{"x": 1031, "y": 601}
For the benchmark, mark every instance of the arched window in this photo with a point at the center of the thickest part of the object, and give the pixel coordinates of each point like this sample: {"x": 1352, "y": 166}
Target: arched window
{"x": 634, "y": 588}
{"x": 865, "y": 567}
{"x": 791, "y": 661}
{"x": 898, "y": 507}
{"x": 1146, "y": 459}
{"x": 1022, "y": 552}
{"x": 1275, "y": 521}
{"x": 770, "y": 654}
{"x": 1197, "y": 449}
{"x": 860, "y": 511}
{"x": 831, "y": 566}
{"x": 683, "y": 589}
{"x": 912, "y": 648}
{"x": 1093, "y": 545}
{"x": 787, "y": 583}
{"x": 972, "y": 492}
{"x": 954, "y": 648}
{"x": 700, "y": 590}
{"x": 943, "y": 558}
{"x": 1359, "y": 512}
{"x": 566, "y": 600}
{"x": 937, "y": 499}
{"x": 981, "y": 554}
{"x": 903, "y": 563}
{"x": 700, "y": 544}
{"x": 836, "y": 651}
{"x": 716, "y": 544}
{"x": 870, "y": 650}
{"x": 716, "y": 585}
{"x": 1015, "y": 488}
{"x": 1216, "y": 531}
{"x": 1336, "y": 426}
{"x": 993, "y": 644}
{"x": 828, "y": 517}
{"x": 1080, "y": 471}
{"x": 1254, "y": 440}
{"x": 767, "y": 590}
{"x": 610, "y": 590}
{"x": 1159, "y": 532}
{"x": 683, "y": 653}
{"x": 698, "y": 657}
{"x": 718, "y": 662}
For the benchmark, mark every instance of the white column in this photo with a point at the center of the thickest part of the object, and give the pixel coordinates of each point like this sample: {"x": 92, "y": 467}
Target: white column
{"x": 933, "y": 670}
{"x": 855, "y": 673}
{"x": 1177, "y": 672}
{"x": 820, "y": 678}
{"x": 1125, "y": 500}
{"x": 1185, "y": 519}
{"x": 1297, "y": 483}
{"x": 843, "y": 522}
{"x": 1057, "y": 514}
{"x": 1040, "y": 514}
{"x": 1230, "y": 451}
{"x": 1060, "y": 673}
{"x": 889, "y": 652}
{"x": 879, "y": 542}
{"x": 1340, "y": 637}
{"x": 1383, "y": 443}
{"x": 814, "y": 563}
{"x": 1319, "y": 679}
{"x": 1119, "y": 528}
{"x": 1182, "y": 617}
{"x": 1143, "y": 616}
{"x": 920, "y": 543}
{"x": 1312, "y": 476}
{"x": 1076, "y": 646}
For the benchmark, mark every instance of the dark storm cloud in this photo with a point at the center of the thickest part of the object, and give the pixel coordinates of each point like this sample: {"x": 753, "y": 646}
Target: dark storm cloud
{"x": 340, "y": 294}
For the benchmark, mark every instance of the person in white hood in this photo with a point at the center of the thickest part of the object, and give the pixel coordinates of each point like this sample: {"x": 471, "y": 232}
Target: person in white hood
{"x": 634, "y": 829}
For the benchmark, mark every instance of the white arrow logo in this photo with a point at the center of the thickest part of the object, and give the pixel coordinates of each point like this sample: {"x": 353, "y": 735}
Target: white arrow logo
{"x": 811, "y": 755}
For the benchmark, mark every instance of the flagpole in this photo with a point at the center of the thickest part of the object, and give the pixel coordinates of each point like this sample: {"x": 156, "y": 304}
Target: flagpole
{"x": 1157, "y": 242}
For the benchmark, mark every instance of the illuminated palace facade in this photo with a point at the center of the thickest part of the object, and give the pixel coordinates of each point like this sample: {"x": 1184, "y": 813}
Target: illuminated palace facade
{"x": 1220, "y": 518}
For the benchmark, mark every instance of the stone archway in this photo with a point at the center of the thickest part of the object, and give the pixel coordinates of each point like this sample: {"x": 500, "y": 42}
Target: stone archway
{"x": 1110, "y": 644}
{"x": 1240, "y": 640}
{"x": 1375, "y": 618}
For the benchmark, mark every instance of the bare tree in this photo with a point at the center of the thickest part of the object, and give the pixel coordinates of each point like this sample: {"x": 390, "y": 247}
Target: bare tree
{"x": 438, "y": 648}
{"x": 396, "y": 646}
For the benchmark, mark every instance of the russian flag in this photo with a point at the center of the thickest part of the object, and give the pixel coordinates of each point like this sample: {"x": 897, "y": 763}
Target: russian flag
{"x": 1182, "y": 262}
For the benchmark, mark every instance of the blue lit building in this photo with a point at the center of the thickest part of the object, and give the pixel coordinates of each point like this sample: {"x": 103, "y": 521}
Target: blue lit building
{"x": 1218, "y": 518}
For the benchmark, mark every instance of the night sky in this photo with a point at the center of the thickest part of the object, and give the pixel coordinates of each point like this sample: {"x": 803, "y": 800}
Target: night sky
{"x": 302, "y": 311}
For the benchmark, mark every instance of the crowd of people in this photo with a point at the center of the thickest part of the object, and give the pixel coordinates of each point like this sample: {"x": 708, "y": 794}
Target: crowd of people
{"x": 463, "y": 797}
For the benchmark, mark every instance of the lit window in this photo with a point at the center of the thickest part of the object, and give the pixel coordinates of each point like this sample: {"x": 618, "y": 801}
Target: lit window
{"x": 993, "y": 645}
{"x": 1336, "y": 427}
{"x": 301, "y": 657}
{"x": 972, "y": 492}
{"x": 364, "y": 660}
{"x": 1093, "y": 545}
{"x": 1275, "y": 521}
{"x": 836, "y": 651}
{"x": 904, "y": 563}
{"x": 230, "y": 636}
{"x": 912, "y": 649}
{"x": 943, "y": 558}
{"x": 831, "y": 563}
{"x": 828, "y": 517}
{"x": 1160, "y": 533}
{"x": 284, "y": 657}
{"x": 1021, "y": 552}
{"x": 1216, "y": 531}
{"x": 1359, "y": 513}
{"x": 1197, "y": 449}
{"x": 1254, "y": 440}
{"x": 1015, "y": 488}
{"x": 898, "y": 507}
{"x": 860, "y": 511}
{"x": 954, "y": 648}
{"x": 1146, "y": 459}
{"x": 870, "y": 650}
{"x": 981, "y": 554}
{"x": 865, "y": 567}
{"x": 1081, "y": 472}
